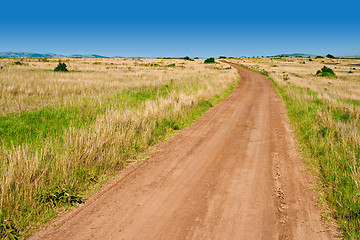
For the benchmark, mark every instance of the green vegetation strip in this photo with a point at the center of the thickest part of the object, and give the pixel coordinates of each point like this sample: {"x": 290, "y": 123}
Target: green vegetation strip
{"x": 49, "y": 123}
{"x": 334, "y": 156}
{"x": 86, "y": 165}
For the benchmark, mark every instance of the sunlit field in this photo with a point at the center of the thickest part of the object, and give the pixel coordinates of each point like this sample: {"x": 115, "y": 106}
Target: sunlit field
{"x": 301, "y": 72}
{"x": 62, "y": 133}
{"x": 325, "y": 113}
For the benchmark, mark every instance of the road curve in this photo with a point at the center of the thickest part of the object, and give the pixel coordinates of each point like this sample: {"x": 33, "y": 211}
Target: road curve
{"x": 235, "y": 174}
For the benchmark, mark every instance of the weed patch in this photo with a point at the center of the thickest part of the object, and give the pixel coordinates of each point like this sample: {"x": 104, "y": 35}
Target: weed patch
{"x": 59, "y": 196}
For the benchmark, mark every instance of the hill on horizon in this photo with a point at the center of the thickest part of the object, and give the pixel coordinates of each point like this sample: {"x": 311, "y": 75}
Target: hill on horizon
{"x": 48, "y": 55}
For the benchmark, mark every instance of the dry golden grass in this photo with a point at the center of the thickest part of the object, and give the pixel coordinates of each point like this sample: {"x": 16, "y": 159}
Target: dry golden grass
{"x": 33, "y": 85}
{"x": 301, "y": 72}
{"x": 144, "y": 98}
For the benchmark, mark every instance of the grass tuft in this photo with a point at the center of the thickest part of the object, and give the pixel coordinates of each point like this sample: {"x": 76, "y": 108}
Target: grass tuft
{"x": 8, "y": 230}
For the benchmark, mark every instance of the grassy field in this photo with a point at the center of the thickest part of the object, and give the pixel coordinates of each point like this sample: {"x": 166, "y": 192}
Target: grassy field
{"x": 62, "y": 133}
{"x": 325, "y": 113}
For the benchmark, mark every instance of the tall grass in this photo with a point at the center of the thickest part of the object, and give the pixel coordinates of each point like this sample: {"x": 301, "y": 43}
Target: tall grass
{"x": 330, "y": 137}
{"x": 52, "y": 153}
{"x": 326, "y": 117}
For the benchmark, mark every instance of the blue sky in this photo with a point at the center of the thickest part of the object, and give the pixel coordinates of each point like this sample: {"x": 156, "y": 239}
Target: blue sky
{"x": 181, "y": 28}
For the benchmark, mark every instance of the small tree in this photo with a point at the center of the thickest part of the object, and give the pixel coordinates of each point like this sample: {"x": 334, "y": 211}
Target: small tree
{"x": 210, "y": 60}
{"x": 61, "y": 67}
{"x": 330, "y": 56}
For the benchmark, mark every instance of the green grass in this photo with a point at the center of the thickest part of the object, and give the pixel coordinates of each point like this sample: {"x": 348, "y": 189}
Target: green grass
{"x": 351, "y": 102}
{"x": 334, "y": 156}
{"x": 49, "y": 123}
{"x": 296, "y": 75}
{"x": 218, "y": 68}
{"x": 35, "y": 126}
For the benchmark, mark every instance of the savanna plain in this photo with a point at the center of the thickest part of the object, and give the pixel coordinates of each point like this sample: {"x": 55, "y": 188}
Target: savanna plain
{"x": 64, "y": 133}
{"x": 325, "y": 114}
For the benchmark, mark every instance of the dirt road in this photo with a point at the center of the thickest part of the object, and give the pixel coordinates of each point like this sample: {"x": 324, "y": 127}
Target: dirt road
{"x": 235, "y": 174}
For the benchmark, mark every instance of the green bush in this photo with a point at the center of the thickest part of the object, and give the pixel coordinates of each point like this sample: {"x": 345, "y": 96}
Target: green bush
{"x": 61, "y": 67}
{"x": 209, "y": 60}
{"x": 330, "y": 56}
{"x": 326, "y": 72}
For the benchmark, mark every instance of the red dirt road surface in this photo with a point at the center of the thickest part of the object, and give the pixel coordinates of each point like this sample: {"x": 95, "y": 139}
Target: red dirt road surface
{"x": 235, "y": 174}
